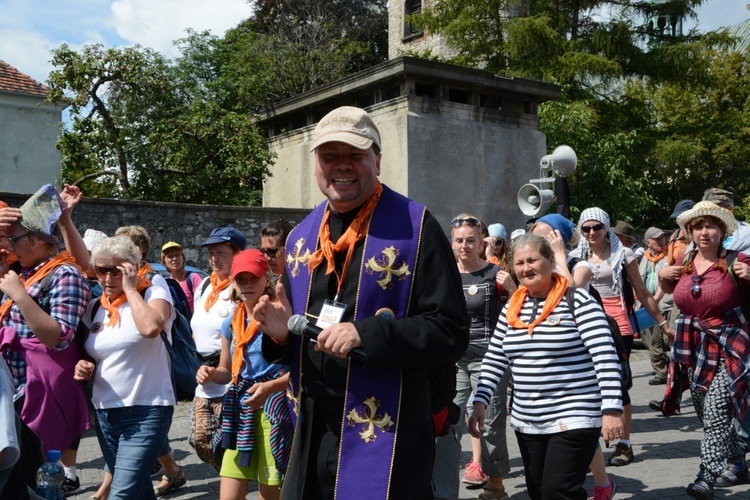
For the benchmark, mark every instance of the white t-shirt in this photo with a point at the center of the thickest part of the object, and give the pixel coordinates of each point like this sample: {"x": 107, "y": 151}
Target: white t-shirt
{"x": 206, "y": 326}
{"x": 131, "y": 370}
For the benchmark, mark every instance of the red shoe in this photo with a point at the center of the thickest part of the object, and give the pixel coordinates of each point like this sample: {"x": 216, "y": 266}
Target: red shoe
{"x": 473, "y": 474}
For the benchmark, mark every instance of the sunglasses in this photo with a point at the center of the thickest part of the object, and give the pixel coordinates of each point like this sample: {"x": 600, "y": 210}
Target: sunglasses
{"x": 469, "y": 221}
{"x": 103, "y": 271}
{"x": 695, "y": 288}
{"x": 15, "y": 239}
{"x": 595, "y": 227}
{"x": 271, "y": 251}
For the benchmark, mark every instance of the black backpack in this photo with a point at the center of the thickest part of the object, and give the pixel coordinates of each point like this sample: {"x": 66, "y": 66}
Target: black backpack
{"x": 626, "y": 376}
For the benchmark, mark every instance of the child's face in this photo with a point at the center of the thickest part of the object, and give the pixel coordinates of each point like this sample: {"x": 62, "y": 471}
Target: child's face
{"x": 249, "y": 287}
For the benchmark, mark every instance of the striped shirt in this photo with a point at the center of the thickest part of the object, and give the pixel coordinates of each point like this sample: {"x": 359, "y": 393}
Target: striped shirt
{"x": 565, "y": 375}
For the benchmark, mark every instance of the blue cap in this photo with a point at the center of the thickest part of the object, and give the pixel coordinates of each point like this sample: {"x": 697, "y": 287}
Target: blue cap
{"x": 226, "y": 235}
{"x": 682, "y": 206}
{"x": 497, "y": 231}
{"x": 53, "y": 455}
{"x": 557, "y": 221}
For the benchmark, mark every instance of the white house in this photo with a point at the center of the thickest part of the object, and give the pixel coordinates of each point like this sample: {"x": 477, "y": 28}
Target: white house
{"x": 29, "y": 129}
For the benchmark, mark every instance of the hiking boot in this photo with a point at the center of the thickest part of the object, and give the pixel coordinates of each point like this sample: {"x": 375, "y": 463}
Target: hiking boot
{"x": 658, "y": 380}
{"x": 700, "y": 490}
{"x": 623, "y": 455}
{"x": 473, "y": 474}
{"x": 605, "y": 492}
{"x": 732, "y": 474}
{"x": 70, "y": 487}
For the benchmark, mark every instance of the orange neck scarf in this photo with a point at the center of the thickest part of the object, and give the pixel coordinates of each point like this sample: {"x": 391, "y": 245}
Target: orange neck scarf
{"x": 111, "y": 306}
{"x": 554, "y": 297}
{"x": 216, "y": 289}
{"x": 144, "y": 270}
{"x": 354, "y": 233}
{"x": 654, "y": 258}
{"x": 243, "y": 335}
{"x": 58, "y": 260}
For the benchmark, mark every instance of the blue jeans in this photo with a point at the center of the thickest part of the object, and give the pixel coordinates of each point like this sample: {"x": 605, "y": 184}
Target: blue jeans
{"x": 131, "y": 439}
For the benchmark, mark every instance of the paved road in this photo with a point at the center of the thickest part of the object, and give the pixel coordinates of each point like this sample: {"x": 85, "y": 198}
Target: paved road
{"x": 666, "y": 451}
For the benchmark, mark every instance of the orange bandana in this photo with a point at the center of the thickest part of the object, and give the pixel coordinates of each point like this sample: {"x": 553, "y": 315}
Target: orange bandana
{"x": 656, "y": 258}
{"x": 58, "y": 260}
{"x": 111, "y": 307}
{"x": 243, "y": 335}
{"x": 216, "y": 289}
{"x": 143, "y": 271}
{"x": 553, "y": 298}
{"x": 354, "y": 233}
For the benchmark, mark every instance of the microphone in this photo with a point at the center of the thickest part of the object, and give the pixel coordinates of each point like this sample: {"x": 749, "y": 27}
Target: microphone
{"x": 299, "y": 325}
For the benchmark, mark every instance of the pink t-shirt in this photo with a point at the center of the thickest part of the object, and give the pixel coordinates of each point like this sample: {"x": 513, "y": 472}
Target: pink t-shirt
{"x": 195, "y": 281}
{"x": 718, "y": 293}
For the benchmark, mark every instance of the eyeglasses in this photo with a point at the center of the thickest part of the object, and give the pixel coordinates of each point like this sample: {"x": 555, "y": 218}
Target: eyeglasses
{"x": 271, "y": 251}
{"x": 469, "y": 221}
{"x": 595, "y": 227}
{"x": 103, "y": 271}
{"x": 15, "y": 239}
{"x": 695, "y": 288}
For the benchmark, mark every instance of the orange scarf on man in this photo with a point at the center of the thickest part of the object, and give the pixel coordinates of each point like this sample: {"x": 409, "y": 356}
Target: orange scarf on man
{"x": 58, "y": 260}
{"x": 354, "y": 233}
{"x": 216, "y": 288}
{"x": 655, "y": 258}
{"x": 111, "y": 305}
{"x": 243, "y": 334}
{"x": 559, "y": 286}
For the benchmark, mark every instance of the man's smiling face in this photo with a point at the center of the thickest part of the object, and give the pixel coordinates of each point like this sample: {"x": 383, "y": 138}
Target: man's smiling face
{"x": 345, "y": 174}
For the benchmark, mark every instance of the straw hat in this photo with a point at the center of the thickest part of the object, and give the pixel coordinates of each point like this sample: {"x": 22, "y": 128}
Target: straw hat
{"x": 707, "y": 208}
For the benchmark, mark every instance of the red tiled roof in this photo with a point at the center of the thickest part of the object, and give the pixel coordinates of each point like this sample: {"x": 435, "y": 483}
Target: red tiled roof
{"x": 14, "y": 82}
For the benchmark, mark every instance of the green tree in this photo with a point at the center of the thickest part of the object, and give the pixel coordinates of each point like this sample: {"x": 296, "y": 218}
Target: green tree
{"x": 142, "y": 129}
{"x": 617, "y": 72}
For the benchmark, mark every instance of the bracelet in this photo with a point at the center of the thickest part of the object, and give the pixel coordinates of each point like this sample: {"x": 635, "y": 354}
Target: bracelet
{"x": 662, "y": 323}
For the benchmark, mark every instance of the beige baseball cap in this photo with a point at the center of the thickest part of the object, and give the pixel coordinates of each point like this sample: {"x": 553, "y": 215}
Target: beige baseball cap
{"x": 349, "y": 125}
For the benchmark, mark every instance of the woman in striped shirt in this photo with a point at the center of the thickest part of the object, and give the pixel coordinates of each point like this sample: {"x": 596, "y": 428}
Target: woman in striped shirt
{"x": 565, "y": 372}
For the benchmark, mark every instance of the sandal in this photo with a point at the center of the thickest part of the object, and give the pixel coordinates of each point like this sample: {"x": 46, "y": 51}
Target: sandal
{"x": 732, "y": 474}
{"x": 172, "y": 483}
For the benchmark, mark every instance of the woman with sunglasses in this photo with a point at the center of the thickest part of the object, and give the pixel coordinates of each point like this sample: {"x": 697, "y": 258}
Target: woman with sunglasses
{"x": 482, "y": 284}
{"x": 129, "y": 367}
{"x": 612, "y": 263}
{"x": 272, "y": 243}
{"x": 712, "y": 340}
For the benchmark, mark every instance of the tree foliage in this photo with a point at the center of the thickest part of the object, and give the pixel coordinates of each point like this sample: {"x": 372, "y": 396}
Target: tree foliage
{"x": 654, "y": 116}
{"x": 145, "y": 127}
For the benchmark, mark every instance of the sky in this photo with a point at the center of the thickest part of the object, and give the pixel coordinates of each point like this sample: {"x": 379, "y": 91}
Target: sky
{"x": 31, "y": 29}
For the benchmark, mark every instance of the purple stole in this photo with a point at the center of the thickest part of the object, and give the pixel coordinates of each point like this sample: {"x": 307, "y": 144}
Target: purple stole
{"x": 373, "y": 395}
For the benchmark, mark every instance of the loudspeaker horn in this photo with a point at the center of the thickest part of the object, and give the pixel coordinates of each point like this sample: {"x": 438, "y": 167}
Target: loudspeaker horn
{"x": 532, "y": 200}
{"x": 563, "y": 161}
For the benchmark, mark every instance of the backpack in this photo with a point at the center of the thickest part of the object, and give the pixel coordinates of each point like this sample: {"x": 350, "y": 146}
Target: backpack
{"x": 731, "y": 257}
{"x": 626, "y": 376}
{"x": 179, "y": 299}
{"x": 183, "y": 354}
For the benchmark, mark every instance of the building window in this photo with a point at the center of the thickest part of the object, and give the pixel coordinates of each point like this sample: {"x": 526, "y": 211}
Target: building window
{"x": 411, "y": 7}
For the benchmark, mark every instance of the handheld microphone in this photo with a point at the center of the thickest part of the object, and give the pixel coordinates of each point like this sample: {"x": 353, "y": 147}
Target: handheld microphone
{"x": 299, "y": 325}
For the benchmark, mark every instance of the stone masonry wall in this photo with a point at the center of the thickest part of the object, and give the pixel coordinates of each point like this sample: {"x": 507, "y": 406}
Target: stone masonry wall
{"x": 188, "y": 225}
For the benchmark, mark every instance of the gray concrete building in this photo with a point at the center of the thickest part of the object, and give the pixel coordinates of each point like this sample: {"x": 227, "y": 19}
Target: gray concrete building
{"x": 29, "y": 129}
{"x": 456, "y": 139}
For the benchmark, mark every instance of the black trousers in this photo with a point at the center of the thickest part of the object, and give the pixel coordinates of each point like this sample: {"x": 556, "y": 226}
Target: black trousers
{"x": 556, "y": 464}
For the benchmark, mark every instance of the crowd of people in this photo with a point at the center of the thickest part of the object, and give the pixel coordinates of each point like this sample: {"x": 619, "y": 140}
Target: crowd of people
{"x": 323, "y": 345}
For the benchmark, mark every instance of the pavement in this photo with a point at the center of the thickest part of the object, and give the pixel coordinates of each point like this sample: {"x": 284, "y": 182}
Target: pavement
{"x": 666, "y": 454}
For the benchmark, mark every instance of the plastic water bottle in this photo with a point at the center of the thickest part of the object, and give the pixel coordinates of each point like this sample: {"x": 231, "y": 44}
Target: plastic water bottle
{"x": 50, "y": 477}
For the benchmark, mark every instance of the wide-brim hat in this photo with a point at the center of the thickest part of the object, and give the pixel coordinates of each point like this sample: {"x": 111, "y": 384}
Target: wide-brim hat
{"x": 622, "y": 228}
{"x": 704, "y": 209}
{"x": 349, "y": 125}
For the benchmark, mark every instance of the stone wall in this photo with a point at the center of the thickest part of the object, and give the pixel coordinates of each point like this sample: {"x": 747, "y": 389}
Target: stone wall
{"x": 189, "y": 225}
